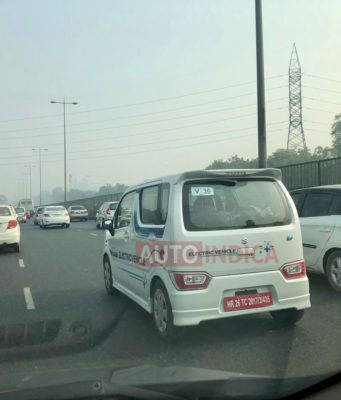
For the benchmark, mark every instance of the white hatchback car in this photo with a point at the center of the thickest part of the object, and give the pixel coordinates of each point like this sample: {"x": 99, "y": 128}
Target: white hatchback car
{"x": 54, "y": 216}
{"x": 204, "y": 245}
{"x": 105, "y": 212}
{"x": 9, "y": 228}
{"x": 319, "y": 209}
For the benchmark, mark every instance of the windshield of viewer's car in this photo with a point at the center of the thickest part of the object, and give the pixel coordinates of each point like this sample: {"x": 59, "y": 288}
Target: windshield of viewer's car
{"x": 158, "y": 142}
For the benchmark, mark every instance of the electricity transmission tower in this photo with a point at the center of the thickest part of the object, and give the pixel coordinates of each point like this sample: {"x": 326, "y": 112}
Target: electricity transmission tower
{"x": 296, "y": 139}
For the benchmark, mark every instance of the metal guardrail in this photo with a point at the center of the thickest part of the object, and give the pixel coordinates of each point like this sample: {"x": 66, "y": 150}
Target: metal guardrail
{"x": 312, "y": 173}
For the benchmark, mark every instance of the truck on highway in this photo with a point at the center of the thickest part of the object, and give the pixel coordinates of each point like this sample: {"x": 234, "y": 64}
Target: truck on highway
{"x": 27, "y": 204}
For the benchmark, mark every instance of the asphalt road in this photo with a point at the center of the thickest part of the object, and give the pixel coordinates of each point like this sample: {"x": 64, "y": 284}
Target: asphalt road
{"x": 55, "y": 313}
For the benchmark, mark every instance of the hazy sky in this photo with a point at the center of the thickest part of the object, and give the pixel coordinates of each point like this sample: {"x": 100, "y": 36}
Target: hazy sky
{"x": 162, "y": 86}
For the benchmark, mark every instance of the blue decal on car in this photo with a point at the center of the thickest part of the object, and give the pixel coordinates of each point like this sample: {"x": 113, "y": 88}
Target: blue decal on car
{"x": 146, "y": 231}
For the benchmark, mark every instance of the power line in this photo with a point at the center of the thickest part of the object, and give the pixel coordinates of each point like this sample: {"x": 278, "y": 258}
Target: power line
{"x": 318, "y": 109}
{"x": 144, "y": 114}
{"x": 318, "y": 88}
{"x": 322, "y": 101}
{"x": 316, "y": 122}
{"x": 149, "y": 132}
{"x": 156, "y": 142}
{"x": 322, "y": 77}
{"x": 149, "y": 122}
{"x": 153, "y": 150}
{"x": 148, "y": 101}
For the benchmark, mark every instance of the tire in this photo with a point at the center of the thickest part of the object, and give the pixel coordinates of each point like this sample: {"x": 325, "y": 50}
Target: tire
{"x": 103, "y": 224}
{"x": 35, "y": 223}
{"x": 16, "y": 248}
{"x": 287, "y": 317}
{"x": 333, "y": 270}
{"x": 40, "y": 226}
{"x": 163, "y": 314}
{"x": 97, "y": 224}
{"x": 108, "y": 279}
{"x": 67, "y": 225}
{"x": 24, "y": 222}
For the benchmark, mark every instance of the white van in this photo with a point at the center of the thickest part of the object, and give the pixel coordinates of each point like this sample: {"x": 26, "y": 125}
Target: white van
{"x": 204, "y": 245}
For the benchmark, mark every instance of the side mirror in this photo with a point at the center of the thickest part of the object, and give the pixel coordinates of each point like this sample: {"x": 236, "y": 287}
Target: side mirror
{"x": 108, "y": 226}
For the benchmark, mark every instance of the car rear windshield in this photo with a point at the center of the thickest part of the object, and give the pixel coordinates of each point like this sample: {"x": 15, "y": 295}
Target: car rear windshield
{"x": 77, "y": 208}
{"x": 233, "y": 204}
{"x": 113, "y": 206}
{"x": 19, "y": 209}
{"x": 55, "y": 209}
{"x": 5, "y": 212}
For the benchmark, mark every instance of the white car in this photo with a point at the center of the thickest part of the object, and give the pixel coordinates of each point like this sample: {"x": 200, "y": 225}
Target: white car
{"x": 105, "y": 213}
{"x": 319, "y": 209}
{"x": 9, "y": 228}
{"x": 54, "y": 216}
{"x": 204, "y": 245}
{"x": 21, "y": 214}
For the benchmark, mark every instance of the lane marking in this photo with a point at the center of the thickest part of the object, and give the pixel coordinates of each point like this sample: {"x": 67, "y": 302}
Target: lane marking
{"x": 21, "y": 263}
{"x": 29, "y": 299}
{"x": 93, "y": 234}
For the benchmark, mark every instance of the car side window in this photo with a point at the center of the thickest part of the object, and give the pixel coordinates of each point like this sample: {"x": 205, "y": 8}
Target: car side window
{"x": 125, "y": 211}
{"x": 149, "y": 200}
{"x": 154, "y": 204}
{"x": 335, "y": 208}
{"x": 316, "y": 205}
{"x": 165, "y": 189}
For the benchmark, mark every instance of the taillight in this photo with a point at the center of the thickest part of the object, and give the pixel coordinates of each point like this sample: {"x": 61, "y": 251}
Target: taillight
{"x": 108, "y": 210}
{"x": 12, "y": 223}
{"x": 294, "y": 270}
{"x": 46, "y": 215}
{"x": 186, "y": 281}
{"x": 85, "y": 211}
{"x": 67, "y": 214}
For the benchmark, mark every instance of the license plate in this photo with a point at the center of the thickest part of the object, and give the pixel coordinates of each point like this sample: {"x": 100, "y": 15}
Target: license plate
{"x": 244, "y": 302}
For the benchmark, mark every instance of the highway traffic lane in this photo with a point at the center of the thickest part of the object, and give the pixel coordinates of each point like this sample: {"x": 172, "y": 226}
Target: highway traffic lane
{"x": 250, "y": 344}
{"x": 66, "y": 284}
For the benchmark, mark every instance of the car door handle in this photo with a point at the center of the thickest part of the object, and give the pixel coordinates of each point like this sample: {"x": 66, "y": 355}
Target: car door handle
{"x": 325, "y": 230}
{"x": 152, "y": 237}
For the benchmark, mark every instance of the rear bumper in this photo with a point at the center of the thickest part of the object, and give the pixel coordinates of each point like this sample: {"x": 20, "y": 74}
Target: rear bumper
{"x": 78, "y": 216}
{"x": 193, "y": 307}
{"x": 55, "y": 221}
{"x": 10, "y": 237}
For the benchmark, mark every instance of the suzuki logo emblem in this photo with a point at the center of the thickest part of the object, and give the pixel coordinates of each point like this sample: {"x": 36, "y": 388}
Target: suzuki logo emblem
{"x": 244, "y": 241}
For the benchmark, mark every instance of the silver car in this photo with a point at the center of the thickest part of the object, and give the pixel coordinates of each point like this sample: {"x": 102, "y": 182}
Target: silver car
{"x": 105, "y": 213}
{"x": 78, "y": 213}
{"x": 37, "y": 215}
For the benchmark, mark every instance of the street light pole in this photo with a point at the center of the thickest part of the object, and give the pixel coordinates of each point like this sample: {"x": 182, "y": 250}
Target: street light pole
{"x": 39, "y": 149}
{"x": 64, "y": 103}
{"x": 29, "y": 166}
{"x": 262, "y": 156}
